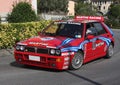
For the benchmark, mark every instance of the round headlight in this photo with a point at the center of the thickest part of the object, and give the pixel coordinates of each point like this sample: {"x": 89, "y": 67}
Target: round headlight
{"x": 52, "y": 51}
{"x": 58, "y": 52}
{"x": 17, "y": 47}
{"x": 22, "y": 48}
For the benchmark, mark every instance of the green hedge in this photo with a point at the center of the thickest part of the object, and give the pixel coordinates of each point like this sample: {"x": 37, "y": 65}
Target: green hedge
{"x": 14, "y": 32}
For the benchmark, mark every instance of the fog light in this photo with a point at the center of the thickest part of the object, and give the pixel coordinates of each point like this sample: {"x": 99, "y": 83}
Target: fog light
{"x": 58, "y": 60}
{"x": 19, "y": 60}
{"x": 53, "y": 65}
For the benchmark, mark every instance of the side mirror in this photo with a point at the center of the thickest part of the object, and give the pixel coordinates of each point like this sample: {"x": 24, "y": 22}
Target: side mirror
{"x": 90, "y": 36}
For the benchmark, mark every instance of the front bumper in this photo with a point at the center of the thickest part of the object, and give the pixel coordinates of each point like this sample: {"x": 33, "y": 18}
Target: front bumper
{"x": 46, "y": 60}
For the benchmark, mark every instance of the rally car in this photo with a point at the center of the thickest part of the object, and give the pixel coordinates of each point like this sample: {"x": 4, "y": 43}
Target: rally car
{"x": 67, "y": 44}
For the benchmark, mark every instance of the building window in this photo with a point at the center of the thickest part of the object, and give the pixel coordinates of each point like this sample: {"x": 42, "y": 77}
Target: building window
{"x": 104, "y": 7}
{"x": 99, "y": 7}
{"x": 100, "y": 3}
{"x": 96, "y": 3}
{"x": 105, "y": 2}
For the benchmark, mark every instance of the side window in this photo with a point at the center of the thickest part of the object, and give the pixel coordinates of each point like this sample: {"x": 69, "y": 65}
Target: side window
{"x": 100, "y": 29}
{"x": 90, "y": 29}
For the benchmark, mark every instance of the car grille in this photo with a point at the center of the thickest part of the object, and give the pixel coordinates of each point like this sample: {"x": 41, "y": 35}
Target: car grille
{"x": 36, "y": 50}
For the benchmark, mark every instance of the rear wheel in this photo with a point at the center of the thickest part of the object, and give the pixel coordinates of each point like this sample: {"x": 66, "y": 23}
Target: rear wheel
{"x": 77, "y": 61}
{"x": 110, "y": 51}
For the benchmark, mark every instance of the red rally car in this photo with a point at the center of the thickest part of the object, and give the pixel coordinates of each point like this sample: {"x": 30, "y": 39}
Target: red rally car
{"x": 67, "y": 44}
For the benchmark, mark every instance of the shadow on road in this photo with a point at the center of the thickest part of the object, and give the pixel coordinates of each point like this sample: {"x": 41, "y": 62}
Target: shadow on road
{"x": 17, "y": 65}
{"x": 84, "y": 78}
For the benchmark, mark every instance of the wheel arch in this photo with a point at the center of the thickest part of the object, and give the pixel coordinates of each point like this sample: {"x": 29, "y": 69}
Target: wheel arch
{"x": 72, "y": 65}
{"x": 113, "y": 43}
{"x": 80, "y": 50}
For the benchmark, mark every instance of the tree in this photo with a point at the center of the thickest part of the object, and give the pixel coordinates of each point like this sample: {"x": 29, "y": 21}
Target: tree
{"x": 47, "y": 6}
{"x": 116, "y": 1}
{"x": 114, "y": 14}
{"x": 22, "y": 12}
{"x": 82, "y": 8}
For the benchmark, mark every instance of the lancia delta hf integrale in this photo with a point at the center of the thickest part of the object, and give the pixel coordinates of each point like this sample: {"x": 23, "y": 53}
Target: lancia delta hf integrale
{"x": 67, "y": 44}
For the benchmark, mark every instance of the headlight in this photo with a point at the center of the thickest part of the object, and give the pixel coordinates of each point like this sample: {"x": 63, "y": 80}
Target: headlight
{"x": 52, "y": 51}
{"x": 55, "y": 52}
{"x": 58, "y": 52}
{"x": 17, "y": 47}
{"x": 20, "y": 48}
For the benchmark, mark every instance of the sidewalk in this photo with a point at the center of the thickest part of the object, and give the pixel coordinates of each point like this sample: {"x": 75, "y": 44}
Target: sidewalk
{"x": 116, "y": 29}
{"x": 6, "y": 52}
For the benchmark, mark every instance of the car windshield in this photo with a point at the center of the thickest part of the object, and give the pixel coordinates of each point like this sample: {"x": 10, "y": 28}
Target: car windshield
{"x": 66, "y": 29}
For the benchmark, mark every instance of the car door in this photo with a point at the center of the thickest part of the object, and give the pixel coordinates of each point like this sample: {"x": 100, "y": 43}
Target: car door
{"x": 96, "y": 46}
{"x": 101, "y": 45}
{"x": 90, "y": 47}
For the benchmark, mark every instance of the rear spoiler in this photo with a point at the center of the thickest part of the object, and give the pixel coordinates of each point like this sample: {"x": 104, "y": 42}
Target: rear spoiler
{"x": 99, "y": 18}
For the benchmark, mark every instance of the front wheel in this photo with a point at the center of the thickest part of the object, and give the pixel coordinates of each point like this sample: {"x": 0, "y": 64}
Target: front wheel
{"x": 110, "y": 51}
{"x": 77, "y": 61}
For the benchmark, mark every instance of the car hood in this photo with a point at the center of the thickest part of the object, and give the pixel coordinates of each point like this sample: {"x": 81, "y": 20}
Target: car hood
{"x": 47, "y": 41}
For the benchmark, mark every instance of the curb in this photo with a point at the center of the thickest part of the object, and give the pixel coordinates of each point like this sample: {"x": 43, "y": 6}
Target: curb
{"x": 116, "y": 29}
{"x": 6, "y": 52}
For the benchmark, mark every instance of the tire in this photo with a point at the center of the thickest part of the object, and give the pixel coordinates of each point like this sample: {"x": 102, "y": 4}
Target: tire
{"x": 110, "y": 51}
{"x": 77, "y": 61}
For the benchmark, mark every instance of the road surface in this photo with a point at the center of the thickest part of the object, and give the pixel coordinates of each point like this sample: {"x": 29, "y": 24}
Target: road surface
{"x": 98, "y": 72}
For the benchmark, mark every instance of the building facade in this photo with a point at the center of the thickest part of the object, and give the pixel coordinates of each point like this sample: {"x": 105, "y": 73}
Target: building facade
{"x": 101, "y": 5}
{"x": 71, "y": 8}
{"x": 6, "y": 6}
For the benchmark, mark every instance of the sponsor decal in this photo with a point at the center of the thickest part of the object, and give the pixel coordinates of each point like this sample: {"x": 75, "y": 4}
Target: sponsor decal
{"x": 107, "y": 40}
{"x": 38, "y": 43}
{"x": 100, "y": 44}
{"x": 51, "y": 47}
{"x": 21, "y": 43}
{"x": 69, "y": 22}
{"x": 67, "y": 53}
{"x": 47, "y": 38}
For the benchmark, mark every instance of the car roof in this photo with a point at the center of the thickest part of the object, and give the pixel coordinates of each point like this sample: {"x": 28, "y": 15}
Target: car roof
{"x": 86, "y": 19}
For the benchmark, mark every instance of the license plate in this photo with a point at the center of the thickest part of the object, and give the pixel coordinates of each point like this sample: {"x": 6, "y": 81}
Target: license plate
{"x": 34, "y": 58}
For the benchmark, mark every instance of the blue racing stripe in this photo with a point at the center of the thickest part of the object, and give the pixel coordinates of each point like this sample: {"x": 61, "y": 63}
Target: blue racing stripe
{"x": 75, "y": 48}
{"x": 66, "y": 41}
{"x": 107, "y": 40}
{"x": 81, "y": 46}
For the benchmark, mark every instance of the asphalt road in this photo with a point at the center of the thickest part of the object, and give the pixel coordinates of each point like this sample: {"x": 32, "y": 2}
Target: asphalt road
{"x": 98, "y": 72}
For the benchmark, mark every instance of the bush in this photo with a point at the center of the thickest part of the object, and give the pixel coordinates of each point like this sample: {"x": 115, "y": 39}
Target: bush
{"x": 114, "y": 16}
{"x": 14, "y": 32}
{"x": 22, "y": 12}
